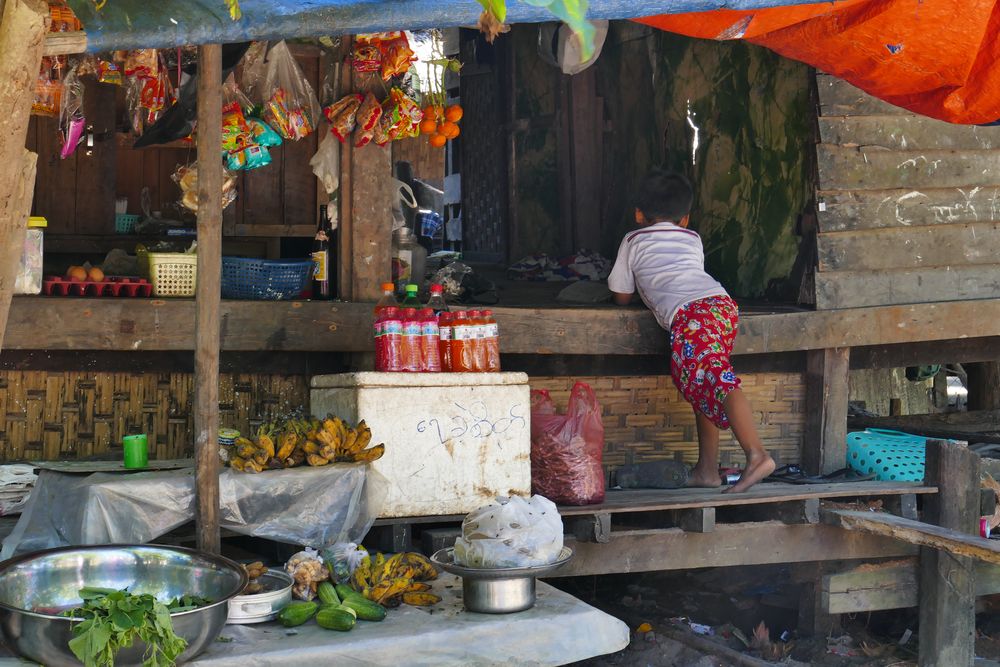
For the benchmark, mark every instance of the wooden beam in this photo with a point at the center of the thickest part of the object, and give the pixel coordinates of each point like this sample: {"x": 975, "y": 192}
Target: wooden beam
{"x": 862, "y": 168}
{"x": 697, "y": 520}
{"x": 839, "y": 98}
{"x": 906, "y": 132}
{"x": 22, "y": 27}
{"x": 65, "y": 43}
{"x": 207, "y": 323}
{"x": 729, "y": 544}
{"x": 142, "y": 324}
{"x": 825, "y": 446}
{"x": 947, "y": 583}
{"x": 915, "y": 532}
{"x": 984, "y": 385}
{"x": 894, "y": 585}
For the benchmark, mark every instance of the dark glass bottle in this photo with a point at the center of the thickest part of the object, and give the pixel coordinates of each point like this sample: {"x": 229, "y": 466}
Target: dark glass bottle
{"x": 321, "y": 257}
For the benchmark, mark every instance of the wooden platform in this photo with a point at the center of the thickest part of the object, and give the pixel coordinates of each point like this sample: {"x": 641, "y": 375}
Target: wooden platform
{"x": 652, "y": 500}
{"x": 62, "y": 323}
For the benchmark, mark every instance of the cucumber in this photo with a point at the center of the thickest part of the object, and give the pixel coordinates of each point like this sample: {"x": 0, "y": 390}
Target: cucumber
{"x": 366, "y": 609}
{"x": 335, "y": 618}
{"x": 345, "y": 591}
{"x": 297, "y": 613}
{"x": 327, "y": 594}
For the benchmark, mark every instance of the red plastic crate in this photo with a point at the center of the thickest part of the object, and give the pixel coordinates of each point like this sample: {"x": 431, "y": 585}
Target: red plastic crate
{"x": 120, "y": 286}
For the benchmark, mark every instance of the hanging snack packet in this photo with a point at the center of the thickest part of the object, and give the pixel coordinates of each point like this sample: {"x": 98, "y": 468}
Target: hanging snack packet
{"x": 108, "y": 71}
{"x": 368, "y": 117}
{"x": 263, "y": 134}
{"x": 396, "y": 54}
{"x": 48, "y": 89}
{"x": 342, "y": 115}
{"x": 142, "y": 63}
{"x": 186, "y": 177}
{"x": 366, "y": 56}
{"x": 71, "y": 120}
{"x": 290, "y": 105}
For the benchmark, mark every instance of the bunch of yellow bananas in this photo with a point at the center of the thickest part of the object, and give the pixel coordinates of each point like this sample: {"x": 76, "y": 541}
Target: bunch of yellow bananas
{"x": 300, "y": 441}
{"x": 400, "y": 578}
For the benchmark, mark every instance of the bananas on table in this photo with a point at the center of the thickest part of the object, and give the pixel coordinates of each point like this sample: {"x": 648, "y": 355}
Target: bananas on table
{"x": 400, "y": 578}
{"x": 296, "y": 442}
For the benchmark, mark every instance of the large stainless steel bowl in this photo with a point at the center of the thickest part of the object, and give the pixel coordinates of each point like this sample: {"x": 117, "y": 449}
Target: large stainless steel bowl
{"x": 50, "y": 581}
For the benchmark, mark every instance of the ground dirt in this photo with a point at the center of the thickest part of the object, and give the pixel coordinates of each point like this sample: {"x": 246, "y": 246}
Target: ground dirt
{"x": 735, "y": 601}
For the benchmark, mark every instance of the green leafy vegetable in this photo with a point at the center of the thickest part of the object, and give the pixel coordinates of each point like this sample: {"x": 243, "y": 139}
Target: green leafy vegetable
{"x": 112, "y": 619}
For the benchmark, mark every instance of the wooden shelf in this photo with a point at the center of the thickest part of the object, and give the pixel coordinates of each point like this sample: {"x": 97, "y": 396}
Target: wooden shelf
{"x": 64, "y": 323}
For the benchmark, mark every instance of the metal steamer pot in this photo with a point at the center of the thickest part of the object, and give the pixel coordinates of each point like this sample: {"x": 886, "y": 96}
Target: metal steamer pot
{"x": 501, "y": 590}
{"x": 50, "y": 580}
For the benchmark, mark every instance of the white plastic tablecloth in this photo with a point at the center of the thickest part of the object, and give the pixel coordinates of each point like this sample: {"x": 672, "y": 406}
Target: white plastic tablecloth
{"x": 558, "y": 630}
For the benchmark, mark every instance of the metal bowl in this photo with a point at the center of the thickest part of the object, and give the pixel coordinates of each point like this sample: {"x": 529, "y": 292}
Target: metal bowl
{"x": 502, "y": 590}
{"x": 264, "y": 606}
{"x": 34, "y": 588}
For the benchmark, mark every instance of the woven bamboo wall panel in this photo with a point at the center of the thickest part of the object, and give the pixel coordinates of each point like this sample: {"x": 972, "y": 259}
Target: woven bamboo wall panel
{"x": 70, "y": 415}
{"x": 645, "y": 418}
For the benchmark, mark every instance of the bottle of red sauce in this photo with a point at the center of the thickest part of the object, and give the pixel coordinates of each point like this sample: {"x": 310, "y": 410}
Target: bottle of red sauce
{"x": 411, "y": 348}
{"x": 491, "y": 342}
{"x": 444, "y": 340}
{"x": 461, "y": 343}
{"x": 430, "y": 338}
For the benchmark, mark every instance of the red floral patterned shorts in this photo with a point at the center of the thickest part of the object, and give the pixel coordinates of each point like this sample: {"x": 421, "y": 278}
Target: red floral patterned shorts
{"x": 701, "y": 342}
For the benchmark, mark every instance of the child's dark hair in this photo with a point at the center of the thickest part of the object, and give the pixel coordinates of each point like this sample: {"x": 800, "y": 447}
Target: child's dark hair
{"x": 664, "y": 195}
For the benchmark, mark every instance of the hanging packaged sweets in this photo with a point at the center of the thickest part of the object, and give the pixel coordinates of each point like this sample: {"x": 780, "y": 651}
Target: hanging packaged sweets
{"x": 342, "y": 115}
{"x": 186, "y": 178}
{"x": 368, "y": 117}
{"x": 48, "y": 89}
{"x": 108, "y": 71}
{"x": 289, "y": 103}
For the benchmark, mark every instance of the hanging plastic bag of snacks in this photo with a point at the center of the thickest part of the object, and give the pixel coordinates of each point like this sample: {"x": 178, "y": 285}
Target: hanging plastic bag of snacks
{"x": 396, "y": 54}
{"x": 342, "y": 115}
{"x": 186, "y": 177}
{"x": 366, "y": 57}
{"x": 142, "y": 63}
{"x": 289, "y": 103}
{"x": 239, "y": 143}
{"x": 368, "y": 117}
{"x": 71, "y": 120}
{"x": 254, "y": 65}
{"x": 108, "y": 71}
{"x": 48, "y": 89}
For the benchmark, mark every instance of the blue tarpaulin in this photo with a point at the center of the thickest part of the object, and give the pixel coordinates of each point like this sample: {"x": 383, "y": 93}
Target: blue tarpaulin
{"x": 130, "y": 24}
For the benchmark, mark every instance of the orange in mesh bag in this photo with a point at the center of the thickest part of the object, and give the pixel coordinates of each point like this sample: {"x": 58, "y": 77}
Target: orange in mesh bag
{"x": 566, "y": 449}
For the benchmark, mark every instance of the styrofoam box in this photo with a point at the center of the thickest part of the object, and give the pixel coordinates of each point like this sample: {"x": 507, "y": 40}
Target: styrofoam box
{"x": 453, "y": 441}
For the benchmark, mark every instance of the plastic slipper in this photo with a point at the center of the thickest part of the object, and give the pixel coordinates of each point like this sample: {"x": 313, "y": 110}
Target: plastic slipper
{"x": 792, "y": 474}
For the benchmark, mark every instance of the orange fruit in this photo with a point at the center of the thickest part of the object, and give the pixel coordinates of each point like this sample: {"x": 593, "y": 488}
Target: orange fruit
{"x": 448, "y": 129}
{"x": 454, "y": 113}
{"x": 435, "y": 111}
{"x": 438, "y": 140}
{"x": 76, "y": 273}
{"x": 428, "y": 126}
{"x": 95, "y": 275}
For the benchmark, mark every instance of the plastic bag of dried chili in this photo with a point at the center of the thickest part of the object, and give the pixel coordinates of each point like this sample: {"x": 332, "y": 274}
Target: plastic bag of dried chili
{"x": 566, "y": 450}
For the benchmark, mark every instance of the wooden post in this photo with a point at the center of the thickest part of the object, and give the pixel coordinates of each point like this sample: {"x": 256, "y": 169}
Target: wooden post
{"x": 983, "y": 385}
{"x": 366, "y": 197}
{"x": 947, "y": 581}
{"x": 825, "y": 446}
{"x": 22, "y": 33}
{"x": 206, "y": 322}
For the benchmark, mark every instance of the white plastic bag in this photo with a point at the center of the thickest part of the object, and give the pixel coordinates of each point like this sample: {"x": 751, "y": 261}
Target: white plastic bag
{"x": 513, "y": 532}
{"x": 308, "y": 570}
{"x": 326, "y": 164}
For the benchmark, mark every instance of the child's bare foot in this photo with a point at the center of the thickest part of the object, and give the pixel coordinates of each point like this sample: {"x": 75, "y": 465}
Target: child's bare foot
{"x": 756, "y": 470}
{"x": 704, "y": 478}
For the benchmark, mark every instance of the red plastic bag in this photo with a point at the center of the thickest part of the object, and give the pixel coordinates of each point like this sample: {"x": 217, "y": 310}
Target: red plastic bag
{"x": 566, "y": 449}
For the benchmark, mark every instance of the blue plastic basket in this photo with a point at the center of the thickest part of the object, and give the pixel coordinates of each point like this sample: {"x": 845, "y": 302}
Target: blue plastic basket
{"x": 892, "y": 456}
{"x": 264, "y": 279}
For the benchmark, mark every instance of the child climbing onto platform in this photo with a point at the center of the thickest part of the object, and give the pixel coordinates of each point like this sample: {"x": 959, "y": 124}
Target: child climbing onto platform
{"x": 665, "y": 261}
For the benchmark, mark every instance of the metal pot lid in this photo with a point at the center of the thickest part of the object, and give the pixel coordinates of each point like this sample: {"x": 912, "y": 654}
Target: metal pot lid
{"x": 445, "y": 559}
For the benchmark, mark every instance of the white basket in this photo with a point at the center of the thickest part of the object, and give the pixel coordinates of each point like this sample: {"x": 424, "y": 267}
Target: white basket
{"x": 173, "y": 273}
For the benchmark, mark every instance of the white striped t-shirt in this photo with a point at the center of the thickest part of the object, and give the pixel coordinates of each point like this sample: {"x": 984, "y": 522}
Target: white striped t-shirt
{"x": 666, "y": 263}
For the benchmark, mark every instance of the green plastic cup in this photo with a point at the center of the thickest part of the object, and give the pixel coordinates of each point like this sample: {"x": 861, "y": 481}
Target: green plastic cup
{"x": 136, "y": 451}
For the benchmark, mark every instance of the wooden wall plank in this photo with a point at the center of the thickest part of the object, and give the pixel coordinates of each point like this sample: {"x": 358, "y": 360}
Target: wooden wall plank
{"x": 839, "y": 98}
{"x": 854, "y": 210}
{"x": 943, "y": 245}
{"x": 857, "y": 289}
{"x": 910, "y": 132}
{"x": 847, "y": 168}
{"x": 825, "y": 447}
{"x": 97, "y": 165}
{"x": 55, "y": 182}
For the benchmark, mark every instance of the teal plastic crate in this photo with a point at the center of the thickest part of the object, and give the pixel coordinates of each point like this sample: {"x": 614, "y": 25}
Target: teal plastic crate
{"x": 892, "y": 456}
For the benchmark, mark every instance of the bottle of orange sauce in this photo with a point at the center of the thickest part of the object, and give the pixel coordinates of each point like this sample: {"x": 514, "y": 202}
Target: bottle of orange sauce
{"x": 478, "y": 340}
{"x": 462, "y": 360}
{"x": 444, "y": 341}
{"x": 491, "y": 342}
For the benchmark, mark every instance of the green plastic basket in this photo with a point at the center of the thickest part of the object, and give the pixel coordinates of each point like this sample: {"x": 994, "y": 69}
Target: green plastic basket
{"x": 125, "y": 223}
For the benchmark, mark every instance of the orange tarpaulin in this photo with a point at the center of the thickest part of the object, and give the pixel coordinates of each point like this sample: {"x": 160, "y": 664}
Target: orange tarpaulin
{"x": 939, "y": 58}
